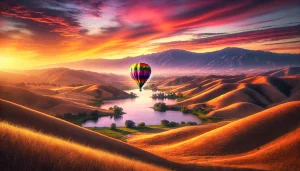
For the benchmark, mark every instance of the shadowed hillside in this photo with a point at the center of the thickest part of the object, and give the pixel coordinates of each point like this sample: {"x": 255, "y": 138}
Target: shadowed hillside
{"x": 236, "y": 110}
{"x": 66, "y": 77}
{"x": 218, "y": 92}
{"x": 50, "y": 105}
{"x": 23, "y": 149}
{"x": 254, "y": 142}
{"x": 282, "y": 72}
{"x": 102, "y": 91}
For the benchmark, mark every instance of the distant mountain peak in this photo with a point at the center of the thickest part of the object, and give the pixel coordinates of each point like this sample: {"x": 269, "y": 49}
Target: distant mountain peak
{"x": 227, "y": 60}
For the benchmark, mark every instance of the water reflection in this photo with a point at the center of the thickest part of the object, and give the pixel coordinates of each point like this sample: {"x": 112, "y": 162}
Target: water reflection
{"x": 139, "y": 110}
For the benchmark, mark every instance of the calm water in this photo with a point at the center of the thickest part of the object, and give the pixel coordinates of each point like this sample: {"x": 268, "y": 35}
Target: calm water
{"x": 138, "y": 110}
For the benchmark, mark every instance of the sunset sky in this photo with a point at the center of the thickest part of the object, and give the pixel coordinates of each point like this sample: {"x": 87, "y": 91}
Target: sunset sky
{"x": 40, "y": 32}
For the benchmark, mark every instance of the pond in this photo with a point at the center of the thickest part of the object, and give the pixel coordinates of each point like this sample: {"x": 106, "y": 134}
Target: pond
{"x": 138, "y": 110}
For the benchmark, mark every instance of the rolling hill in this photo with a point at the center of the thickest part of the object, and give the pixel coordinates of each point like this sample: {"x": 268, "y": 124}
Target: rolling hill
{"x": 265, "y": 140}
{"x": 67, "y": 77}
{"x": 48, "y": 104}
{"x": 103, "y": 91}
{"x": 222, "y": 94}
{"x": 281, "y": 72}
{"x": 236, "y": 110}
{"x": 24, "y": 149}
{"x": 49, "y": 125}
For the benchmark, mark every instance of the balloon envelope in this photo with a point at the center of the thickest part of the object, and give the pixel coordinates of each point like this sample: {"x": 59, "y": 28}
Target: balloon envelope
{"x": 140, "y": 72}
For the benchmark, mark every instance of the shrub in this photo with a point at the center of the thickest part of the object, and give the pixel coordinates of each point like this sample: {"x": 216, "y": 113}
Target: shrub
{"x": 172, "y": 124}
{"x": 198, "y": 111}
{"x": 81, "y": 114}
{"x": 179, "y": 95}
{"x": 113, "y": 126}
{"x": 129, "y": 124}
{"x": 116, "y": 109}
{"x": 141, "y": 125}
{"x": 184, "y": 110}
{"x": 97, "y": 102}
{"x": 191, "y": 123}
{"x": 195, "y": 110}
{"x": 133, "y": 95}
{"x": 95, "y": 113}
{"x": 164, "y": 122}
{"x": 182, "y": 123}
{"x": 160, "y": 106}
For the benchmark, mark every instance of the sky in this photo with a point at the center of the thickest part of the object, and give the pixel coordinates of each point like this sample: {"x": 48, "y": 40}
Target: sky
{"x": 41, "y": 32}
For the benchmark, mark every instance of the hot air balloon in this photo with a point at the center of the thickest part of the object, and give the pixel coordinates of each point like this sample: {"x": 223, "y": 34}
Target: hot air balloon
{"x": 140, "y": 72}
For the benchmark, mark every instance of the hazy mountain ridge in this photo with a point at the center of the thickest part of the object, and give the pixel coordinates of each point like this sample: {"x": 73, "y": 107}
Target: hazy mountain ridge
{"x": 179, "y": 60}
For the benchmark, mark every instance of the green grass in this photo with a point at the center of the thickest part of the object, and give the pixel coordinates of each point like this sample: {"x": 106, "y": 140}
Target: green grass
{"x": 79, "y": 119}
{"x": 122, "y": 133}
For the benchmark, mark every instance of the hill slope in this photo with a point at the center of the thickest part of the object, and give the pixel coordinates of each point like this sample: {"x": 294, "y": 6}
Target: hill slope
{"x": 23, "y": 149}
{"x": 245, "y": 134}
{"x": 236, "y": 110}
{"x": 291, "y": 71}
{"x": 281, "y": 154}
{"x": 267, "y": 140}
{"x": 28, "y": 118}
{"x": 39, "y": 102}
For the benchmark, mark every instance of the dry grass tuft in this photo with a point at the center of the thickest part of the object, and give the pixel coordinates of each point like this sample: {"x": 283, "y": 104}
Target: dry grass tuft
{"x": 23, "y": 149}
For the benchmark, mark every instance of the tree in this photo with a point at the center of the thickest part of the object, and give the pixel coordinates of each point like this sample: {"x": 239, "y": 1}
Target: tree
{"x": 95, "y": 113}
{"x": 191, "y": 123}
{"x": 182, "y": 123}
{"x": 82, "y": 114}
{"x": 179, "y": 95}
{"x": 164, "y": 122}
{"x": 184, "y": 110}
{"x": 133, "y": 95}
{"x": 141, "y": 125}
{"x": 172, "y": 124}
{"x": 97, "y": 102}
{"x": 129, "y": 124}
{"x": 113, "y": 126}
{"x": 116, "y": 109}
{"x": 161, "y": 106}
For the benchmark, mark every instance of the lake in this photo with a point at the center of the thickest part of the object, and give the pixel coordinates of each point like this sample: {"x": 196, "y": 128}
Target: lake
{"x": 138, "y": 110}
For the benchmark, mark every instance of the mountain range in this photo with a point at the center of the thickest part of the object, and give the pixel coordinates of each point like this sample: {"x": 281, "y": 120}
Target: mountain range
{"x": 225, "y": 61}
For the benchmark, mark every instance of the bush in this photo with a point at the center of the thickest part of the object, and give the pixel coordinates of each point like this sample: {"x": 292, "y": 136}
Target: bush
{"x": 116, "y": 109}
{"x": 129, "y": 124}
{"x": 184, "y": 110}
{"x": 179, "y": 95}
{"x": 199, "y": 111}
{"x": 133, "y": 95}
{"x": 141, "y": 125}
{"x": 164, "y": 122}
{"x": 81, "y": 114}
{"x": 95, "y": 113}
{"x": 191, "y": 123}
{"x": 113, "y": 126}
{"x": 182, "y": 123}
{"x": 168, "y": 123}
{"x": 97, "y": 102}
{"x": 160, "y": 106}
{"x": 172, "y": 124}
